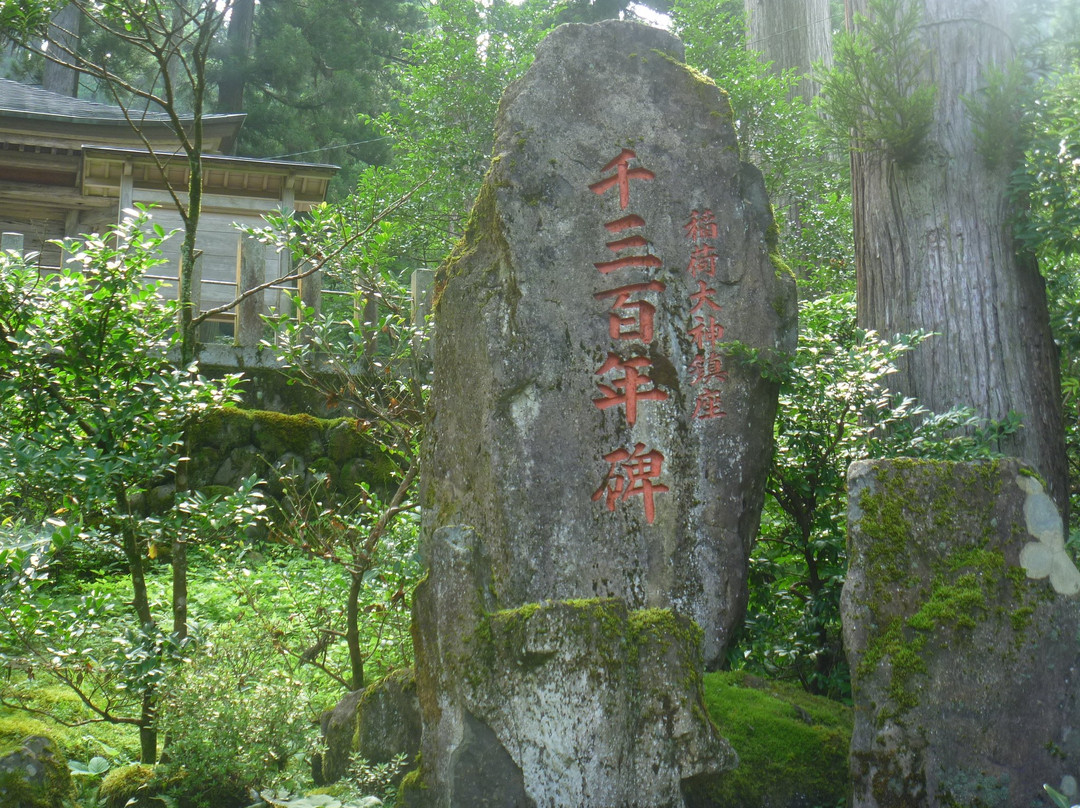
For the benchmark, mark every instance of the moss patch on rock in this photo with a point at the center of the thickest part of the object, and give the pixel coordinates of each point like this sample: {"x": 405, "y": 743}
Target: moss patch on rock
{"x": 120, "y": 785}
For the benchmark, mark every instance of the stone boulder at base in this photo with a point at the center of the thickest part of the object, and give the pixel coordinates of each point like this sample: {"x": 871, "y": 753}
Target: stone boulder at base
{"x": 567, "y": 703}
{"x": 378, "y": 724}
{"x": 961, "y": 619}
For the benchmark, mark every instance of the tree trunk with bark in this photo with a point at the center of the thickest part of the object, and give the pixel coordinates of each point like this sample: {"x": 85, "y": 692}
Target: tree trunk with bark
{"x": 935, "y": 251}
{"x": 792, "y": 34}
{"x": 238, "y": 51}
{"x": 64, "y": 33}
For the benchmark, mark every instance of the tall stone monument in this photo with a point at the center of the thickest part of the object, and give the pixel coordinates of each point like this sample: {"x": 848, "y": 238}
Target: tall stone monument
{"x": 596, "y": 457}
{"x": 960, "y": 625}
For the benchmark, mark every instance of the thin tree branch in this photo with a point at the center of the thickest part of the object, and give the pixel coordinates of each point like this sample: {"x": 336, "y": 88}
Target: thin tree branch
{"x": 294, "y": 276}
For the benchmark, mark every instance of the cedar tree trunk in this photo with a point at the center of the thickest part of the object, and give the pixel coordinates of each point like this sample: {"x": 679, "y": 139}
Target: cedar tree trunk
{"x": 792, "y": 34}
{"x": 934, "y": 251}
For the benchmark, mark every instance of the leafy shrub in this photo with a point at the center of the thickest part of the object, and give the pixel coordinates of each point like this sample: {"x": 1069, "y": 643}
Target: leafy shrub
{"x": 876, "y": 90}
{"x": 233, "y": 719}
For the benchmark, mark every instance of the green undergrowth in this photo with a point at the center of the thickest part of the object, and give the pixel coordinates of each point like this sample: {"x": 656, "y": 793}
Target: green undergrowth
{"x": 65, "y": 720}
{"x": 792, "y": 746}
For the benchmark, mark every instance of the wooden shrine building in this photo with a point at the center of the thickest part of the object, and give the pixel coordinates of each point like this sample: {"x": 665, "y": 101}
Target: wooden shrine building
{"x": 70, "y": 166}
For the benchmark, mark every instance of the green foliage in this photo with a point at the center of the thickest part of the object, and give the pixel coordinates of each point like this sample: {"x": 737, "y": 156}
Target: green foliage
{"x": 1000, "y": 114}
{"x": 95, "y": 414}
{"x": 26, "y": 19}
{"x": 233, "y": 719}
{"x": 90, "y": 399}
{"x": 875, "y": 96}
{"x": 441, "y": 124}
{"x": 835, "y": 407}
{"x": 1046, "y": 192}
{"x": 377, "y": 779}
{"x": 1050, "y": 181}
{"x": 346, "y": 589}
{"x": 315, "y": 73}
{"x": 365, "y": 785}
{"x": 1056, "y": 797}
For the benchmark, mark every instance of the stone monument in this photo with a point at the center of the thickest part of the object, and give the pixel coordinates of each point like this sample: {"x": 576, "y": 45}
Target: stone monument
{"x": 599, "y": 438}
{"x": 960, "y": 624}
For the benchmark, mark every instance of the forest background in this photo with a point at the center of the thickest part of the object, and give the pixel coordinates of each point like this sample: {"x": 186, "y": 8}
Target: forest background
{"x": 288, "y": 606}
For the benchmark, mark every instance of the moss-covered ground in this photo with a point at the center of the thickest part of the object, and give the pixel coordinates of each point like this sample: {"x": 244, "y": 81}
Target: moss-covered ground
{"x": 59, "y": 706}
{"x": 792, "y": 746}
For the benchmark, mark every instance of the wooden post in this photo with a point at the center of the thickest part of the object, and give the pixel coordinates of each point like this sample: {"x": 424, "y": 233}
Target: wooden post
{"x": 310, "y": 289}
{"x": 310, "y": 293}
{"x": 250, "y": 272}
{"x": 71, "y": 230}
{"x": 127, "y": 190}
{"x": 288, "y": 205}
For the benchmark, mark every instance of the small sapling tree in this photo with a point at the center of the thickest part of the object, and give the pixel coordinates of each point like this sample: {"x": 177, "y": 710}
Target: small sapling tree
{"x": 95, "y": 410}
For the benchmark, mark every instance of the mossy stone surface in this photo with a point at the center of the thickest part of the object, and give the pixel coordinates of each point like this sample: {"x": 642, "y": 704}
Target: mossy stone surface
{"x": 962, "y": 656}
{"x": 35, "y": 775}
{"x": 290, "y": 452}
{"x": 119, "y": 785}
{"x": 578, "y": 702}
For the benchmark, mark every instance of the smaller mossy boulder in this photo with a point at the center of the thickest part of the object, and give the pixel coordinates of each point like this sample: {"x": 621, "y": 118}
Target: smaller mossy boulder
{"x": 388, "y": 719}
{"x": 338, "y": 726}
{"x": 121, "y": 785}
{"x": 792, "y": 746}
{"x": 139, "y": 786}
{"x": 377, "y": 724}
{"x": 35, "y": 775}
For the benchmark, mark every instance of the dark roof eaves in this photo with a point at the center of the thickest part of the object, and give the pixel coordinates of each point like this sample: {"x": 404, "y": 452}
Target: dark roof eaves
{"x": 328, "y": 168}
{"x": 224, "y": 118}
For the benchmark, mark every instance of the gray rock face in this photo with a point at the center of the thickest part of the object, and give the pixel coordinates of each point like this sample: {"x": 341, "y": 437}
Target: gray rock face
{"x": 588, "y": 419}
{"x": 566, "y": 703}
{"x": 338, "y": 728}
{"x": 960, "y": 624}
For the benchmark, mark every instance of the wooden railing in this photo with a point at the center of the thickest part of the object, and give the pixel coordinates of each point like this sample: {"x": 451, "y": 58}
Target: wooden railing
{"x": 256, "y": 292}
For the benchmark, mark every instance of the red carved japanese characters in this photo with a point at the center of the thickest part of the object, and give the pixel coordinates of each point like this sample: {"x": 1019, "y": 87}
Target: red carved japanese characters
{"x": 706, "y": 331}
{"x": 631, "y": 319}
{"x": 627, "y": 390}
{"x": 702, "y": 260}
{"x": 703, "y": 371}
{"x": 701, "y": 227}
{"x": 708, "y": 404}
{"x": 706, "y": 368}
{"x": 632, "y": 474}
{"x": 622, "y": 176}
